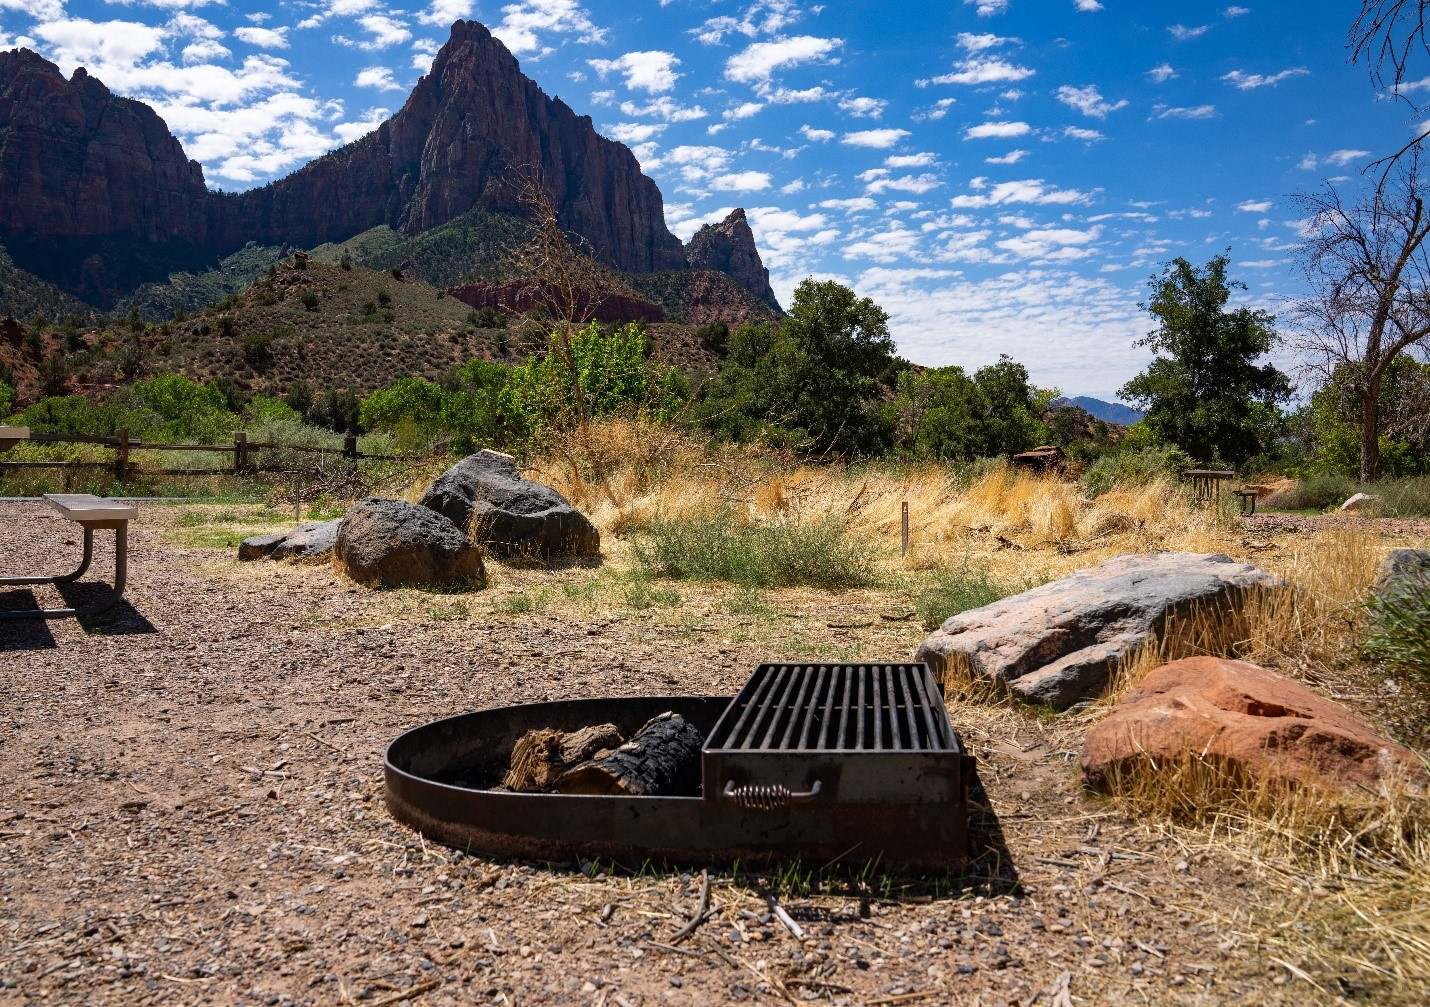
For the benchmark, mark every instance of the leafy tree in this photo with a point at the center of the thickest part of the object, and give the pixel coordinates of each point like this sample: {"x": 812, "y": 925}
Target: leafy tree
{"x": 1332, "y": 421}
{"x": 815, "y": 382}
{"x": 474, "y": 414}
{"x": 412, "y": 408}
{"x": 943, "y": 413}
{"x": 1369, "y": 270}
{"x": 1204, "y": 391}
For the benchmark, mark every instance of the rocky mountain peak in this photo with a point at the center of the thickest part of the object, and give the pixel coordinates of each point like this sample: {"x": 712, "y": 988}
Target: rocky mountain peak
{"x": 729, "y": 247}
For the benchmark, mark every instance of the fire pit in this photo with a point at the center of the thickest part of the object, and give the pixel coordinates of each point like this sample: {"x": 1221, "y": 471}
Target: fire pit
{"x": 823, "y": 762}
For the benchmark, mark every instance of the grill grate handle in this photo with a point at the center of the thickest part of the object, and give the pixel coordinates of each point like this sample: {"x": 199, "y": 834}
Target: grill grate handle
{"x": 768, "y": 796}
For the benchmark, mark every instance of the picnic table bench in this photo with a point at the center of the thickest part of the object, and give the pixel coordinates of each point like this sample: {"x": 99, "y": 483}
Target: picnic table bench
{"x": 89, "y": 512}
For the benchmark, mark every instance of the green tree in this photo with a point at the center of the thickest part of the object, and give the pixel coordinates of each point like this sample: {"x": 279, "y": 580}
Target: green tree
{"x": 816, "y": 382}
{"x": 943, "y": 413}
{"x": 411, "y": 409}
{"x": 7, "y": 399}
{"x": 1204, "y": 390}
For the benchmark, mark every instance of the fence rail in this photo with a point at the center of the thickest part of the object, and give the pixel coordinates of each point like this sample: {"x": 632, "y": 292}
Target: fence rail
{"x": 242, "y": 449}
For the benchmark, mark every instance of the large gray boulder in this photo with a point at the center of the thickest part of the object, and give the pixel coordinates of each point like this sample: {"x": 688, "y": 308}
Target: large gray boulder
{"x": 1060, "y": 643}
{"x": 392, "y": 543}
{"x": 487, "y": 497}
{"x": 1399, "y": 568}
{"x": 310, "y": 542}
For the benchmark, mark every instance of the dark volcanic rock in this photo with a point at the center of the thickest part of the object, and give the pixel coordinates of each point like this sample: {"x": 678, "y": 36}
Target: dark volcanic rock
{"x": 729, "y": 247}
{"x": 392, "y": 543}
{"x": 469, "y": 123}
{"x": 510, "y": 515}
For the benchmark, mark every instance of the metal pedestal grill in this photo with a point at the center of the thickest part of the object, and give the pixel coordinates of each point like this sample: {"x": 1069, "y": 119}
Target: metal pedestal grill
{"x": 822, "y": 762}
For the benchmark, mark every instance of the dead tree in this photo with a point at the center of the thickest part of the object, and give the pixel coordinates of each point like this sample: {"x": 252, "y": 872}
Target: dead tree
{"x": 1389, "y": 36}
{"x": 1368, "y": 266}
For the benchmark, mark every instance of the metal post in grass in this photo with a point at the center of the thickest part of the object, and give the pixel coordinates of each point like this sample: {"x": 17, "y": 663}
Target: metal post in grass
{"x": 904, "y": 521}
{"x": 240, "y": 451}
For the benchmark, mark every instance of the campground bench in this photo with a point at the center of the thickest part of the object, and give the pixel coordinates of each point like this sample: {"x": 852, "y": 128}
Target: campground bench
{"x": 89, "y": 512}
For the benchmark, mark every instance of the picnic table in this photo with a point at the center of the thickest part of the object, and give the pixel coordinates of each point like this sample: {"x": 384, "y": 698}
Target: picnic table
{"x": 1206, "y": 483}
{"x": 10, "y": 436}
{"x": 89, "y": 512}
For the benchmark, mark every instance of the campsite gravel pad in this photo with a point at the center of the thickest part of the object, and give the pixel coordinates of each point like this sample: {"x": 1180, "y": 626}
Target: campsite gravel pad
{"x": 190, "y": 813}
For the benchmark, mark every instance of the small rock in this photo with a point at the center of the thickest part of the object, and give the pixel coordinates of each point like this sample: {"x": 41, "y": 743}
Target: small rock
{"x": 1357, "y": 503}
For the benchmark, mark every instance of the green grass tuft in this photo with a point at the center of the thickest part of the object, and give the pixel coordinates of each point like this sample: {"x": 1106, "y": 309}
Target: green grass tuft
{"x": 956, "y": 591}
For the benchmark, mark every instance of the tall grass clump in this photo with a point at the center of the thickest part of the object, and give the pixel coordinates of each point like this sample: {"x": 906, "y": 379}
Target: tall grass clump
{"x": 720, "y": 544}
{"x": 1135, "y": 468}
{"x": 1400, "y": 627}
{"x": 1316, "y": 492}
{"x": 1403, "y": 497}
{"x": 953, "y": 591}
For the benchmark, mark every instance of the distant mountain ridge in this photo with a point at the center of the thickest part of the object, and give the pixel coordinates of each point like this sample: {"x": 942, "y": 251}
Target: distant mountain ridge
{"x": 1108, "y": 412}
{"x": 99, "y": 198}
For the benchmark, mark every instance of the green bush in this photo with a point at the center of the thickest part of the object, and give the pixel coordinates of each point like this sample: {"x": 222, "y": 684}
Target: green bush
{"x": 1316, "y": 492}
{"x": 719, "y": 544}
{"x": 957, "y": 591}
{"x": 1400, "y": 628}
{"x": 1136, "y": 467}
{"x": 7, "y": 399}
{"x": 1403, "y": 498}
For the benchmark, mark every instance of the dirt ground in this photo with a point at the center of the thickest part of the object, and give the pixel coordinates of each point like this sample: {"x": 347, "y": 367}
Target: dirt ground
{"x": 191, "y": 812}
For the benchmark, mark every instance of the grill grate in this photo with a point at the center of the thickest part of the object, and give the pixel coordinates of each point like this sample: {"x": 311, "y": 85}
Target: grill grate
{"x": 831, "y": 708}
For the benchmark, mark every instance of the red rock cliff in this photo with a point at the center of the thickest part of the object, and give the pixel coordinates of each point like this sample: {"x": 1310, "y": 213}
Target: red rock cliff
{"x": 729, "y": 247}
{"x": 77, "y": 161}
{"x": 469, "y": 122}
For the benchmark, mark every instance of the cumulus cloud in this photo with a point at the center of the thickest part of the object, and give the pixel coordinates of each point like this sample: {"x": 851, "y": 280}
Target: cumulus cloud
{"x": 897, "y": 242}
{"x": 443, "y": 12}
{"x": 663, "y": 107}
{"x": 264, "y": 38}
{"x": 1053, "y": 244}
{"x": 1339, "y": 158}
{"x": 525, "y": 22}
{"x": 977, "y": 42}
{"x": 634, "y": 132}
{"x": 859, "y": 204}
{"x": 742, "y": 111}
{"x": 761, "y": 59}
{"x": 371, "y": 119}
{"x": 987, "y": 8}
{"x": 650, "y": 71}
{"x": 1088, "y": 100}
{"x": 916, "y": 184}
{"x": 910, "y": 160}
{"x": 1028, "y": 190}
{"x": 385, "y": 33}
{"x": 1235, "y": 11}
{"x": 1254, "y": 206}
{"x": 379, "y": 77}
{"x": 1087, "y": 5}
{"x": 816, "y": 135}
{"x": 1012, "y": 157}
{"x": 863, "y": 108}
{"x": 1247, "y": 81}
{"x": 877, "y": 138}
{"x": 985, "y": 130}
{"x": 981, "y": 70}
{"x": 1161, "y": 74}
{"x": 1077, "y": 133}
{"x": 741, "y": 181}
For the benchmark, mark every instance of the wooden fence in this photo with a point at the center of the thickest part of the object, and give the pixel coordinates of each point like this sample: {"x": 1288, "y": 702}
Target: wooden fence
{"x": 242, "y": 450}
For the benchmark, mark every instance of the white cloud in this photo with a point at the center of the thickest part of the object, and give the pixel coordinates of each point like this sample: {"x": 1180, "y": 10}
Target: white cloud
{"x": 1077, "y": 133}
{"x": 1247, "y": 81}
{"x": 981, "y": 70}
{"x": 379, "y": 77}
{"x": 741, "y": 181}
{"x": 649, "y": 71}
{"x": 910, "y": 160}
{"x": 1055, "y": 244}
{"x": 1028, "y": 190}
{"x": 817, "y": 135}
{"x": 1012, "y": 157}
{"x": 385, "y": 31}
{"x": 78, "y": 42}
{"x": 742, "y": 111}
{"x": 996, "y": 129}
{"x": 987, "y": 8}
{"x": 1088, "y": 100}
{"x": 1235, "y": 11}
{"x": 40, "y": 10}
{"x": 1254, "y": 206}
{"x": 523, "y": 21}
{"x": 863, "y": 108}
{"x": 1341, "y": 158}
{"x": 371, "y": 119}
{"x": 980, "y": 42}
{"x": 788, "y": 96}
{"x": 1161, "y": 74}
{"x": 663, "y": 107}
{"x": 1087, "y": 5}
{"x": 756, "y": 63}
{"x": 634, "y": 132}
{"x": 1182, "y": 33}
{"x": 264, "y": 38}
{"x": 916, "y": 184}
{"x": 1190, "y": 112}
{"x": 899, "y": 241}
{"x": 443, "y": 12}
{"x": 877, "y": 138}
{"x": 205, "y": 51}
{"x": 859, "y": 204}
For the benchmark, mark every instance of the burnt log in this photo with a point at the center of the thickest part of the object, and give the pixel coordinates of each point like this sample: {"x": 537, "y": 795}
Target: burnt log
{"x": 541, "y": 756}
{"x": 662, "y": 758}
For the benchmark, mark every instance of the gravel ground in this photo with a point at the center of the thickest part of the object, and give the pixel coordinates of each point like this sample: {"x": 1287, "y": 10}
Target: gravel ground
{"x": 191, "y": 813}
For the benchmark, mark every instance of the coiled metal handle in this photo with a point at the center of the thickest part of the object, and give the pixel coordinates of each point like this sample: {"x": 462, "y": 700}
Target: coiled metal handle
{"x": 768, "y": 796}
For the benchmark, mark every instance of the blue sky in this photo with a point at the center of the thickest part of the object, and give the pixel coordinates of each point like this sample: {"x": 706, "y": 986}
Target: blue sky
{"x": 1003, "y": 176}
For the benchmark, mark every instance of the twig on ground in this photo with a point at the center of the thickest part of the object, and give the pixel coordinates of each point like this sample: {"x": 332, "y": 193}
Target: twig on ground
{"x": 408, "y": 994}
{"x": 701, "y": 910}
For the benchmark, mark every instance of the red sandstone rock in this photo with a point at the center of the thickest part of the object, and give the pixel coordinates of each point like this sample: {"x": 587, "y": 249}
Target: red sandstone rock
{"x": 1252, "y": 720}
{"x": 729, "y": 247}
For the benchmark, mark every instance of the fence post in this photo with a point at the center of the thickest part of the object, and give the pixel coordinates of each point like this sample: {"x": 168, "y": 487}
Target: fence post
{"x": 240, "y": 452}
{"x": 121, "y": 453}
{"x": 904, "y": 550}
{"x": 350, "y": 445}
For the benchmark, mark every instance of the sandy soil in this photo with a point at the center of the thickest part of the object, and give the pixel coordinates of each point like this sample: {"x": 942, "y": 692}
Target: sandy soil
{"x": 191, "y": 812}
